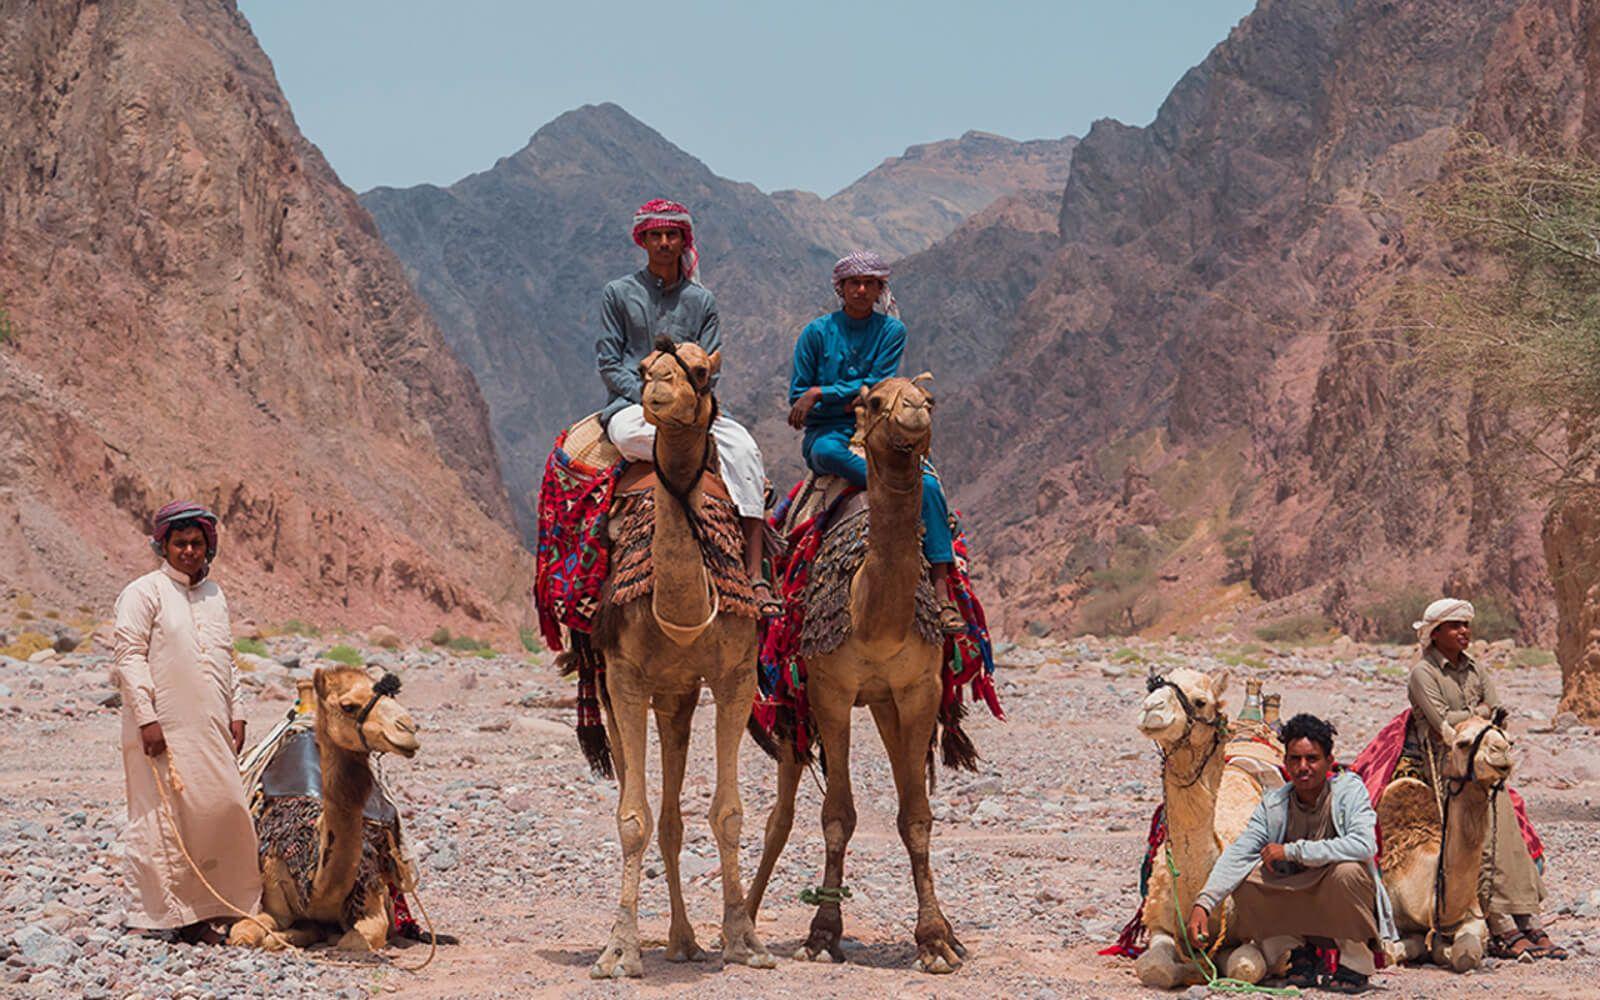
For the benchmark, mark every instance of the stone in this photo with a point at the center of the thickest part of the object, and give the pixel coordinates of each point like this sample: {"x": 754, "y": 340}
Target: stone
{"x": 1565, "y": 722}
{"x": 42, "y": 656}
{"x": 383, "y": 637}
{"x": 42, "y": 947}
{"x": 107, "y": 699}
{"x": 67, "y": 640}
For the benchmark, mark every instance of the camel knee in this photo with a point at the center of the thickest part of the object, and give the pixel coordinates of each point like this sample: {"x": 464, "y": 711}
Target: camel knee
{"x": 633, "y": 832}
{"x": 1159, "y": 965}
{"x": 1466, "y": 949}
{"x": 727, "y": 820}
{"x": 1247, "y": 964}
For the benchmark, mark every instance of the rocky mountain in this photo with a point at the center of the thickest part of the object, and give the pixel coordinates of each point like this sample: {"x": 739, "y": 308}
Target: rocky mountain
{"x": 911, "y": 201}
{"x": 191, "y": 304}
{"x": 512, "y": 261}
{"x": 1203, "y": 401}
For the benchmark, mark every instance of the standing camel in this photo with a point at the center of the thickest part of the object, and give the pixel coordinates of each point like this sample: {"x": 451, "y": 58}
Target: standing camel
{"x": 658, "y": 652}
{"x": 1207, "y": 803}
{"x": 891, "y": 662}
{"x": 319, "y": 866}
{"x": 1478, "y": 763}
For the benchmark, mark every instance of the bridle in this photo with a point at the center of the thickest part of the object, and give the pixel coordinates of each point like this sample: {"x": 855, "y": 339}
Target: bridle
{"x": 680, "y": 493}
{"x": 387, "y": 687}
{"x": 889, "y": 407}
{"x": 1219, "y": 728}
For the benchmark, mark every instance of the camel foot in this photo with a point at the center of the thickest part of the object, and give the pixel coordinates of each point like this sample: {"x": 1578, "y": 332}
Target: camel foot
{"x": 1159, "y": 966}
{"x": 352, "y": 940}
{"x": 938, "y": 951}
{"x": 246, "y": 934}
{"x": 742, "y": 947}
{"x": 822, "y": 944}
{"x": 1466, "y": 948}
{"x": 684, "y": 948}
{"x": 1246, "y": 963}
{"x": 620, "y": 959}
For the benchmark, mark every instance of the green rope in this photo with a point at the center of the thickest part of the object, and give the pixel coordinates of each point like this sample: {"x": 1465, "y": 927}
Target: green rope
{"x": 822, "y": 894}
{"x": 1202, "y": 962}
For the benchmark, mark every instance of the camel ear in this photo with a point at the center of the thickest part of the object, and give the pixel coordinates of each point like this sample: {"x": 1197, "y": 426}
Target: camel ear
{"x": 1219, "y": 684}
{"x": 924, "y": 377}
{"x": 715, "y": 362}
{"x": 861, "y": 398}
{"x": 319, "y": 680}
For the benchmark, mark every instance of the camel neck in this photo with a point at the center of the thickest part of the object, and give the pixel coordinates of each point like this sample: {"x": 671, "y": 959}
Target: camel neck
{"x": 1463, "y": 852}
{"x": 884, "y": 599}
{"x": 1191, "y": 814}
{"x": 680, "y": 577}
{"x": 346, "y": 783}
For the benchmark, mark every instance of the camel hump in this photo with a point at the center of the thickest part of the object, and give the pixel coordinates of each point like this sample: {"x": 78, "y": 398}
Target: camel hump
{"x": 1408, "y": 816}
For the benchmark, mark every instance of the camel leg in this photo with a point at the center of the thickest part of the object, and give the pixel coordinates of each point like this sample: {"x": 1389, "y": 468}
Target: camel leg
{"x": 674, "y": 715}
{"x": 830, "y": 710}
{"x": 1245, "y": 963}
{"x": 276, "y": 915}
{"x": 906, "y": 727}
{"x": 779, "y": 823}
{"x": 371, "y": 930}
{"x": 1465, "y": 950}
{"x": 734, "y": 693}
{"x": 630, "y": 705}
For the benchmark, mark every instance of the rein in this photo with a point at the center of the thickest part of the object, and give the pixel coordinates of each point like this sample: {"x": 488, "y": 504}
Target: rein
{"x": 1219, "y": 729}
{"x": 1452, "y": 788}
{"x": 680, "y": 494}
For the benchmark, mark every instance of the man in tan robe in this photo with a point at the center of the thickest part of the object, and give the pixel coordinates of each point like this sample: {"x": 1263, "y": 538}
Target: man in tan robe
{"x": 1304, "y": 872}
{"x": 181, "y": 713}
{"x": 1446, "y": 688}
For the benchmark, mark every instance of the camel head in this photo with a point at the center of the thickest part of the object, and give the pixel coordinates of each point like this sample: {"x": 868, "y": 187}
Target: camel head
{"x": 895, "y": 418}
{"x": 677, "y": 384}
{"x": 1480, "y": 749}
{"x": 1162, "y": 716}
{"x": 344, "y": 694}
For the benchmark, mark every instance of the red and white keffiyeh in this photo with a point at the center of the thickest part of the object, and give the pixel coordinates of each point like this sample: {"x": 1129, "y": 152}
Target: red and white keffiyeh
{"x": 659, "y": 213}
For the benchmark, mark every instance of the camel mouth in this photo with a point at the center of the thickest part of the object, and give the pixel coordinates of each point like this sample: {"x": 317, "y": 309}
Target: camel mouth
{"x": 406, "y": 752}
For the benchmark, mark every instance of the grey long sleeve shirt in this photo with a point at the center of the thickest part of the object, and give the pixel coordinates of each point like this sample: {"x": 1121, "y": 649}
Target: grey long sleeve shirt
{"x": 636, "y": 309}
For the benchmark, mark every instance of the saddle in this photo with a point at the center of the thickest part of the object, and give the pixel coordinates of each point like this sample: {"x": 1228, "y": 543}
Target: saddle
{"x": 821, "y": 493}
{"x": 295, "y": 771}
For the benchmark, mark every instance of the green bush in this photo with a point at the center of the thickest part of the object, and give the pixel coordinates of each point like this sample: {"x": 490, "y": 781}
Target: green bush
{"x": 1300, "y": 628}
{"x": 466, "y": 644}
{"x": 1494, "y": 619}
{"x": 530, "y": 639}
{"x": 8, "y": 330}
{"x": 255, "y": 647}
{"x": 1391, "y": 613}
{"x": 440, "y": 636}
{"x": 348, "y": 655}
{"x": 295, "y": 626}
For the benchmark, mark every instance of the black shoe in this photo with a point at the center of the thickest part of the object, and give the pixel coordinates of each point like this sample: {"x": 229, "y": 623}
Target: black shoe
{"x": 1302, "y": 972}
{"x": 1345, "y": 980}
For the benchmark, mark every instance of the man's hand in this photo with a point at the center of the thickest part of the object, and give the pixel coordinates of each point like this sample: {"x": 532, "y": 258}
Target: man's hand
{"x": 155, "y": 743}
{"x": 1199, "y": 925}
{"x": 1273, "y": 853}
{"x": 802, "y": 407}
{"x": 238, "y": 736}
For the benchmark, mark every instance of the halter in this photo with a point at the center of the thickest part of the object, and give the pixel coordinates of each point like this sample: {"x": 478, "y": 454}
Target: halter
{"x": 387, "y": 687}
{"x": 1219, "y": 727}
{"x": 667, "y": 347}
{"x": 893, "y": 404}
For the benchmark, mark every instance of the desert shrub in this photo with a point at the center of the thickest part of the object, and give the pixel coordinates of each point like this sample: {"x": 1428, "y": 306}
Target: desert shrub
{"x": 1300, "y": 628}
{"x": 348, "y": 655}
{"x": 1177, "y": 531}
{"x": 1391, "y": 612}
{"x": 1494, "y": 619}
{"x": 26, "y": 644}
{"x": 255, "y": 647}
{"x": 466, "y": 644}
{"x": 1531, "y": 656}
{"x": 530, "y": 639}
{"x": 440, "y": 636}
{"x": 8, "y": 330}
{"x": 295, "y": 626}
{"x": 1236, "y": 546}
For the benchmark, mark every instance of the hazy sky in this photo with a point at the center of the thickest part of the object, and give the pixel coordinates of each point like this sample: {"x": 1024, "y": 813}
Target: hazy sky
{"x": 808, "y": 94}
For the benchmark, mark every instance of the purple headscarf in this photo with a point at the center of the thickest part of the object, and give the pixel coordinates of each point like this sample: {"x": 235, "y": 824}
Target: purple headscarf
{"x": 866, "y": 264}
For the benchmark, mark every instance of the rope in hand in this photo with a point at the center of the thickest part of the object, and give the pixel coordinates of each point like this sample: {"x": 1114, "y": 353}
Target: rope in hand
{"x": 1201, "y": 959}
{"x": 167, "y": 812}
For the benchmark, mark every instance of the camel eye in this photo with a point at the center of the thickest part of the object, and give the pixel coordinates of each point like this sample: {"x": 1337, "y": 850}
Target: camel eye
{"x": 348, "y": 709}
{"x": 876, "y": 403}
{"x": 1199, "y": 703}
{"x": 701, "y": 373}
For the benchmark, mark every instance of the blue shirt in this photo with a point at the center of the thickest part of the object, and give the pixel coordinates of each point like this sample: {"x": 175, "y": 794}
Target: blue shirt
{"x": 841, "y": 355}
{"x": 634, "y": 310}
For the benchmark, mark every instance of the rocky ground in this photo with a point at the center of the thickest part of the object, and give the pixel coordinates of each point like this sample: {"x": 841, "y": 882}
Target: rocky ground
{"x": 1036, "y": 857}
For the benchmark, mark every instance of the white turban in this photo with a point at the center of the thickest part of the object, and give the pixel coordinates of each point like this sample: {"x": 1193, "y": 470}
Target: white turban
{"x": 1445, "y": 609}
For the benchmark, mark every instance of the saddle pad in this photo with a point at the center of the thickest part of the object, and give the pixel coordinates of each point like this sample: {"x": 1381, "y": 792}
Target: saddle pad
{"x": 295, "y": 771}
{"x": 586, "y": 443}
{"x": 817, "y": 493}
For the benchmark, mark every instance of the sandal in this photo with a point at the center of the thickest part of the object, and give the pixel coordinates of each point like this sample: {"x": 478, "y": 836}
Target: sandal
{"x": 1543, "y": 947}
{"x": 767, "y": 604}
{"x": 1345, "y": 980}
{"x": 1302, "y": 972}
{"x": 951, "y": 623}
{"x": 1513, "y": 947}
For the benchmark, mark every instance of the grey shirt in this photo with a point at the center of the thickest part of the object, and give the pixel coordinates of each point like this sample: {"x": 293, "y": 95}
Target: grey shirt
{"x": 1444, "y": 693}
{"x": 636, "y": 309}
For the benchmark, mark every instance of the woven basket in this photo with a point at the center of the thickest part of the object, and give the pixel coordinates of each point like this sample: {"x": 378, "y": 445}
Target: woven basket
{"x": 588, "y": 445}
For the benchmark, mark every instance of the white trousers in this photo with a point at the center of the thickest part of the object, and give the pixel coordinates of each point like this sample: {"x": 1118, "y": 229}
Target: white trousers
{"x": 1353, "y": 955}
{"x": 742, "y": 470}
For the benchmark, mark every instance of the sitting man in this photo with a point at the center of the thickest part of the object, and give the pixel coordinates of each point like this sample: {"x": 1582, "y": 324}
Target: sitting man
{"x": 666, "y": 298}
{"x": 837, "y": 356}
{"x": 1317, "y": 880}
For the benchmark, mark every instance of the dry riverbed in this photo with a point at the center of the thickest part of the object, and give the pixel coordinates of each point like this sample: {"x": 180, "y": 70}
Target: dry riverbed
{"x": 1036, "y": 857}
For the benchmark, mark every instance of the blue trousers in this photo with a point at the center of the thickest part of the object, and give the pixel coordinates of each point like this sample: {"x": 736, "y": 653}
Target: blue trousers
{"x": 829, "y": 452}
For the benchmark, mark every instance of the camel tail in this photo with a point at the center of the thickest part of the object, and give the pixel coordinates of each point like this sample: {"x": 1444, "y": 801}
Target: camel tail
{"x": 763, "y": 739}
{"x": 596, "y": 748}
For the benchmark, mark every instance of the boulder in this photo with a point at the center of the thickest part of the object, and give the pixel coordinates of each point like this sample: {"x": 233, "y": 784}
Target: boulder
{"x": 383, "y": 637}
